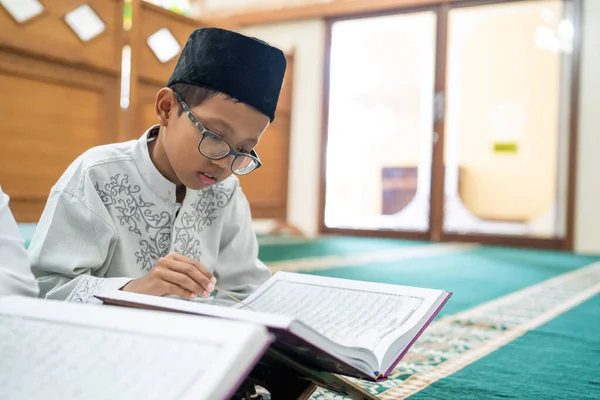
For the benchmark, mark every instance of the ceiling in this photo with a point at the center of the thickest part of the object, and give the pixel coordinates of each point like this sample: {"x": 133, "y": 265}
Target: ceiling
{"x": 225, "y": 7}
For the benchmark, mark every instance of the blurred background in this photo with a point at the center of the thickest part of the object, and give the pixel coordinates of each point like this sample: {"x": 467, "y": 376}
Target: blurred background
{"x": 433, "y": 143}
{"x": 416, "y": 119}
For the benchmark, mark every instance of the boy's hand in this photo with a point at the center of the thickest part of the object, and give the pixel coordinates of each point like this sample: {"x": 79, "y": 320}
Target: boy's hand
{"x": 175, "y": 275}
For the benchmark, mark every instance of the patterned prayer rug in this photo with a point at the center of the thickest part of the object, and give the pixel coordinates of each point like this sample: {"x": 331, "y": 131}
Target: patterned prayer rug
{"x": 558, "y": 360}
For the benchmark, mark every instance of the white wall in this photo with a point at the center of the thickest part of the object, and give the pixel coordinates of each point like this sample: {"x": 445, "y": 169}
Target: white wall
{"x": 307, "y": 40}
{"x": 587, "y": 206}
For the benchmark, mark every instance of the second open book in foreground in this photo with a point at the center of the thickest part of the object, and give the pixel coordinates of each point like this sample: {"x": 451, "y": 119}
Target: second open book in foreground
{"x": 347, "y": 327}
{"x": 57, "y": 350}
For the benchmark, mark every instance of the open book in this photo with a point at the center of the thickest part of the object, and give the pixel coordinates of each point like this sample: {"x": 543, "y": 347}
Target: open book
{"x": 60, "y": 350}
{"x": 347, "y": 327}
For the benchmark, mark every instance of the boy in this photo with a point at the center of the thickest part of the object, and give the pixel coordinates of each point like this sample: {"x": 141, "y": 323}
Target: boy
{"x": 165, "y": 215}
{"x": 15, "y": 273}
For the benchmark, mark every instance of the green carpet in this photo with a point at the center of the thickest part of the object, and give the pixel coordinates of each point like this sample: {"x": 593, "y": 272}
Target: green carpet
{"x": 558, "y": 360}
{"x": 565, "y": 351}
{"x": 328, "y": 246}
{"x": 476, "y": 276}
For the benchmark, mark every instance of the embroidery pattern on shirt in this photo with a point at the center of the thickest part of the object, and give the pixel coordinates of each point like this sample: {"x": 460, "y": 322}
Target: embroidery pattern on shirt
{"x": 85, "y": 288}
{"x": 204, "y": 211}
{"x": 140, "y": 217}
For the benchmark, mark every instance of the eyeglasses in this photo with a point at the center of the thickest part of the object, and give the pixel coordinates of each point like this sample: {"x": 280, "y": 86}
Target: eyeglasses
{"x": 214, "y": 147}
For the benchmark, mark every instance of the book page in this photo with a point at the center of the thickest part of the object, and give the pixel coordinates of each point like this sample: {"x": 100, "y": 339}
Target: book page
{"x": 353, "y": 317}
{"x": 74, "y": 361}
{"x": 64, "y": 350}
{"x": 206, "y": 308}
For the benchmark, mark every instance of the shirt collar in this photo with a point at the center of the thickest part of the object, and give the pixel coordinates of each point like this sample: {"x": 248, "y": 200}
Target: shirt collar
{"x": 157, "y": 182}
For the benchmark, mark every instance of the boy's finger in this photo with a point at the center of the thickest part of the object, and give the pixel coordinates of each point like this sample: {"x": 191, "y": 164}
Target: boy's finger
{"x": 170, "y": 288}
{"x": 192, "y": 272}
{"x": 182, "y": 280}
{"x": 200, "y": 267}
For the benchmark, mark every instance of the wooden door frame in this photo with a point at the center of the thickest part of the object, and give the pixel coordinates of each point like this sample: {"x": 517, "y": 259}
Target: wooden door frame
{"x": 567, "y": 242}
{"x": 416, "y": 235}
{"x": 435, "y": 232}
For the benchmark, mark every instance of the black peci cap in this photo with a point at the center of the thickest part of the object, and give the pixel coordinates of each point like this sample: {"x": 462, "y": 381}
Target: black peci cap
{"x": 242, "y": 67}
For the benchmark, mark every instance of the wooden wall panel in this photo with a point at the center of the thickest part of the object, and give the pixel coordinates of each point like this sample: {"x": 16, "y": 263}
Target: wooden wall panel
{"x": 64, "y": 99}
{"x": 61, "y": 97}
{"x": 53, "y": 114}
{"x": 267, "y": 187}
{"x": 48, "y": 35}
{"x": 147, "y": 95}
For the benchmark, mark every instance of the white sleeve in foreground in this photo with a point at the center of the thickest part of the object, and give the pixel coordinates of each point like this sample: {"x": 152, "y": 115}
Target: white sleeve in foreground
{"x": 16, "y": 277}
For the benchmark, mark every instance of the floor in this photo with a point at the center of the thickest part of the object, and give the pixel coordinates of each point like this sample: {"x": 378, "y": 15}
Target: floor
{"x": 521, "y": 323}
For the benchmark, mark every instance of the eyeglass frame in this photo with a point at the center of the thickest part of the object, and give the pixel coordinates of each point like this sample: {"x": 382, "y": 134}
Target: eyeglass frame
{"x": 205, "y": 132}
